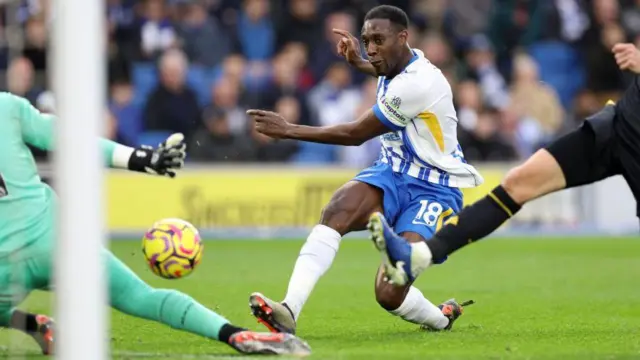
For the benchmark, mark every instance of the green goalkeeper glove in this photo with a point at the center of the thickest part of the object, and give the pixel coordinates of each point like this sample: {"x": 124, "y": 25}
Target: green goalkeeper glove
{"x": 164, "y": 160}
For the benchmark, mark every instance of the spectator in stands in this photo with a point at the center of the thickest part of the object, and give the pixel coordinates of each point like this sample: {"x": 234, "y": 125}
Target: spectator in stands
{"x": 112, "y": 128}
{"x": 225, "y": 97}
{"x": 514, "y": 24}
{"x": 226, "y": 11}
{"x": 127, "y": 114}
{"x": 203, "y": 38}
{"x": 234, "y": 67}
{"x": 157, "y": 33}
{"x": 604, "y": 78}
{"x": 467, "y": 18}
{"x": 324, "y": 52}
{"x": 173, "y": 105}
{"x": 120, "y": 13}
{"x": 484, "y": 142}
{"x": 436, "y": 49}
{"x": 121, "y": 20}
{"x": 469, "y": 104}
{"x": 537, "y": 100}
{"x": 521, "y": 130}
{"x": 269, "y": 150}
{"x": 255, "y": 31}
{"x": 586, "y": 104}
{"x": 35, "y": 48}
{"x": 334, "y": 101}
{"x": 217, "y": 143}
{"x": 481, "y": 59}
{"x": 238, "y": 53}
{"x": 365, "y": 154}
{"x": 255, "y": 75}
{"x": 302, "y": 23}
{"x": 46, "y": 103}
{"x": 20, "y": 79}
{"x": 631, "y": 21}
{"x": 299, "y": 55}
{"x": 284, "y": 82}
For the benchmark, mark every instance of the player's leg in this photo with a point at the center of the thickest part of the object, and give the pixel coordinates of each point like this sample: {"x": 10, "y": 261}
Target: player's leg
{"x": 348, "y": 210}
{"x": 18, "y": 276}
{"x": 575, "y": 159}
{"x": 538, "y": 176}
{"x": 407, "y": 301}
{"x": 411, "y": 305}
{"x": 40, "y": 327}
{"x": 132, "y": 296}
{"x": 425, "y": 207}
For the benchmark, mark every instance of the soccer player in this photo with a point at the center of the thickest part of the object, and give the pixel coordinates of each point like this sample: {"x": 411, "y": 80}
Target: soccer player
{"x": 606, "y": 144}
{"x": 27, "y": 239}
{"x": 415, "y": 182}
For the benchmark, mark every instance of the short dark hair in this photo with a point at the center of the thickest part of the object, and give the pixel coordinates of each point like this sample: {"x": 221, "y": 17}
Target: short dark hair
{"x": 394, "y": 14}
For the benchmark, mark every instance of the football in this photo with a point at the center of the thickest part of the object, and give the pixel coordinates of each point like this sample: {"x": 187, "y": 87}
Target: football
{"x": 172, "y": 248}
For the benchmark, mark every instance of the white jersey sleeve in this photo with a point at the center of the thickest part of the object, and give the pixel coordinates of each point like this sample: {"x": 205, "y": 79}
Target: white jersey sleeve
{"x": 403, "y": 100}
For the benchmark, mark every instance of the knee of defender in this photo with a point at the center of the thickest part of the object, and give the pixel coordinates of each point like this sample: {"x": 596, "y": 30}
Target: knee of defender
{"x": 388, "y": 299}
{"x": 516, "y": 184}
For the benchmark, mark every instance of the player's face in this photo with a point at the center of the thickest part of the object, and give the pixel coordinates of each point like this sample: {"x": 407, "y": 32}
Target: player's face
{"x": 383, "y": 44}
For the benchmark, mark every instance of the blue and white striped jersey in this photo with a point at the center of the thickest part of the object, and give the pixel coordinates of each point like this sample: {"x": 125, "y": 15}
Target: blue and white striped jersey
{"x": 417, "y": 105}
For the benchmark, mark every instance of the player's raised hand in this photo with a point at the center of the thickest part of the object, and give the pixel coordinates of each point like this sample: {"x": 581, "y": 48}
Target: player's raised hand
{"x": 164, "y": 160}
{"x": 348, "y": 46}
{"x": 627, "y": 56}
{"x": 270, "y": 123}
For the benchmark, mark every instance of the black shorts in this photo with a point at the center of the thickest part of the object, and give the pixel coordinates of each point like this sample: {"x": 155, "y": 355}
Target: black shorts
{"x": 602, "y": 147}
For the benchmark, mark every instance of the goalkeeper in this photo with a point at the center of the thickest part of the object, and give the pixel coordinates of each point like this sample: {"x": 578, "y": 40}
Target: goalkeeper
{"x": 27, "y": 240}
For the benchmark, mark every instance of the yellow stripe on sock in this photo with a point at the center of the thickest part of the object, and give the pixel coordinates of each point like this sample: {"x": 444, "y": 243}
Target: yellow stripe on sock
{"x": 502, "y": 205}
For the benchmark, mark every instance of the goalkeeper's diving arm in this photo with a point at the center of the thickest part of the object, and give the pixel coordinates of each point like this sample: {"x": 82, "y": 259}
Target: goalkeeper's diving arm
{"x": 164, "y": 160}
{"x": 38, "y": 130}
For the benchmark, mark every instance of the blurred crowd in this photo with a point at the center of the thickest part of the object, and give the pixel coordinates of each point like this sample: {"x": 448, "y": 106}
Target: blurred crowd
{"x": 522, "y": 71}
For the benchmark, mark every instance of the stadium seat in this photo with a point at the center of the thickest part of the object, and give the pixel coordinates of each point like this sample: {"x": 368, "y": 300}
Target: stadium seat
{"x": 199, "y": 79}
{"x": 215, "y": 74}
{"x": 560, "y": 67}
{"x": 311, "y": 153}
{"x": 129, "y": 122}
{"x": 144, "y": 79}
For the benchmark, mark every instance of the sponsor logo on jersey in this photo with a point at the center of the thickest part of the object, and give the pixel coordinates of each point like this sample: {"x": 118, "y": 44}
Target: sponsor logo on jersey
{"x": 391, "y": 137}
{"x": 392, "y": 111}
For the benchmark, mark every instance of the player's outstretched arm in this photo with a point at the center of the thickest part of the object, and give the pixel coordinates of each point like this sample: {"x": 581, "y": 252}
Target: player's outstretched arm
{"x": 403, "y": 101}
{"x": 164, "y": 160}
{"x": 349, "y": 48}
{"x": 348, "y": 134}
{"x": 38, "y": 130}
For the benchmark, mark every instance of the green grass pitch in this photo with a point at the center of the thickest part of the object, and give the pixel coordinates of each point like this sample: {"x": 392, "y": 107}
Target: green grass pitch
{"x": 535, "y": 299}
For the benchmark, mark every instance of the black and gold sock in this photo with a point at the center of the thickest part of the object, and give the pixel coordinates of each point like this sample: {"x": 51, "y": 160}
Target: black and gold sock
{"x": 473, "y": 223}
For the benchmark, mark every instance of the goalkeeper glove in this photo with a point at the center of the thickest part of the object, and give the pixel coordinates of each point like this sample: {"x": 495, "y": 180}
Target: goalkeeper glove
{"x": 164, "y": 160}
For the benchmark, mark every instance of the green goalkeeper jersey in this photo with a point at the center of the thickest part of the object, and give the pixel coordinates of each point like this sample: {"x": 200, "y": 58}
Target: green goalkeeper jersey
{"x": 27, "y": 205}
